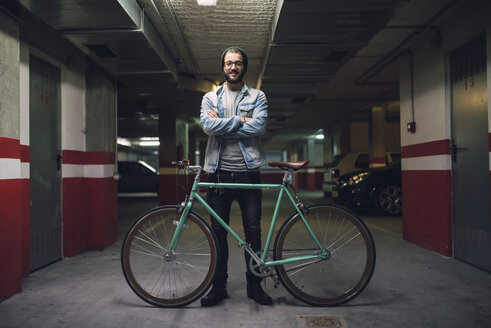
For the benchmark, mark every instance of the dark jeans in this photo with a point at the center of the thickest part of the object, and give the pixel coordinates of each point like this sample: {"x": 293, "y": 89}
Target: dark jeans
{"x": 250, "y": 205}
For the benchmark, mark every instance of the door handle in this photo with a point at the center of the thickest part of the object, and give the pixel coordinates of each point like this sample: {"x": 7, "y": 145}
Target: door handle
{"x": 454, "y": 150}
{"x": 58, "y": 162}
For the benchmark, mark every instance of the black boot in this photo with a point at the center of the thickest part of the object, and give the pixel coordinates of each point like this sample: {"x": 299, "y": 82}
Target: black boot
{"x": 256, "y": 292}
{"x": 214, "y": 297}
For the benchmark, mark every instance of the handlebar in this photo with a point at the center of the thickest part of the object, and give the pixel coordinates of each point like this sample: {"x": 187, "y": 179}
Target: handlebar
{"x": 185, "y": 164}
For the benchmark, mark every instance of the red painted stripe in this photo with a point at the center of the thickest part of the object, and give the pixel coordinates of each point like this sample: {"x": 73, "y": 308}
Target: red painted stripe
{"x": 9, "y": 148}
{"x": 25, "y": 227}
{"x": 72, "y": 157}
{"x": 169, "y": 191}
{"x": 428, "y": 211}
{"x": 24, "y": 153}
{"x": 90, "y": 214}
{"x": 88, "y": 158}
{"x": 74, "y": 216}
{"x": 102, "y": 213}
{"x": 99, "y": 157}
{"x": 439, "y": 147}
{"x": 10, "y": 237}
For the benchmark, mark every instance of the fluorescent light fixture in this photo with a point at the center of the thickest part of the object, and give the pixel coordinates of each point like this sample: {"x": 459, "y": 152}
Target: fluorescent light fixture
{"x": 124, "y": 142}
{"x": 148, "y": 166}
{"x": 207, "y": 2}
{"x": 149, "y": 143}
{"x": 319, "y": 136}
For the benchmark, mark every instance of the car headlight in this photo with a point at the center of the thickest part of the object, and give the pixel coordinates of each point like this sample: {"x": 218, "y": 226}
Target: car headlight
{"x": 357, "y": 178}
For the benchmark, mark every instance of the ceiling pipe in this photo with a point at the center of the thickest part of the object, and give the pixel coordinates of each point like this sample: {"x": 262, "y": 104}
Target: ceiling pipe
{"x": 181, "y": 39}
{"x": 267, "y": 50}
{"x": 159, "y": 23}
{"x": 398, "y": 51}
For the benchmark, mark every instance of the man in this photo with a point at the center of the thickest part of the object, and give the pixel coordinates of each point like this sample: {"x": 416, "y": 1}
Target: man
{"x": 234, "y": 117}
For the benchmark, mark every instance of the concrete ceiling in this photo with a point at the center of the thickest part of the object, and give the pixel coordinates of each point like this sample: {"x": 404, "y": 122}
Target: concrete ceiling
{"x": 319, "y": 62}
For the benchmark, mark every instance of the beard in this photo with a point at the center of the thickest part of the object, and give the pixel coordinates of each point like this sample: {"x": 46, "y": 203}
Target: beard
{"x": 238, "y": 79}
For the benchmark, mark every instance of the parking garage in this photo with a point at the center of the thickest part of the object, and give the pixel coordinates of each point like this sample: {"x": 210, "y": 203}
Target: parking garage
{"x": 86, "y": 85}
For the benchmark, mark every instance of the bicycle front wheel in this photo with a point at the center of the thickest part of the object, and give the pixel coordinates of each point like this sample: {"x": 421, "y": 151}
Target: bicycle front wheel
{"x": 343, "y": 274}
{"x": 169, "y": 281}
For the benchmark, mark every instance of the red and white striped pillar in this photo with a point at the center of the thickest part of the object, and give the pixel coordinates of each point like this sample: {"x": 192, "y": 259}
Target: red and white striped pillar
{"x": 169, "y": 189}
{"x": 11, "y": 217}
{"x": 427, "y": 189}
{"x": 89, "y": 201}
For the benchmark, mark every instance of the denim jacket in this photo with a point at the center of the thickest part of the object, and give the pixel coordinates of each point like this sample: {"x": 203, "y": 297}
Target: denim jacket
{"x": 252, "y": 104}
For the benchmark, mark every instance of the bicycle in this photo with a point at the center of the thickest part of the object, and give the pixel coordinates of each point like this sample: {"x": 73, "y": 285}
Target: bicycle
{"x": 324, "y": 255}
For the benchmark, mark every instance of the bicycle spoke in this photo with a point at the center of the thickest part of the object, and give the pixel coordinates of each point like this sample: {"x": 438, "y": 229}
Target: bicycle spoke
{"x": 348, "y": 267}
{"x": 182, "y": 277}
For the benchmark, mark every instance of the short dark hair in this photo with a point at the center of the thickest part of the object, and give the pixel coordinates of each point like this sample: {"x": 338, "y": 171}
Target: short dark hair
{"x": 236, "y": 50}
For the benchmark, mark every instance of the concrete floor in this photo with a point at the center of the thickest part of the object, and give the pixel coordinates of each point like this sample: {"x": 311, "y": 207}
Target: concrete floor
{"x": 411, "y": 287}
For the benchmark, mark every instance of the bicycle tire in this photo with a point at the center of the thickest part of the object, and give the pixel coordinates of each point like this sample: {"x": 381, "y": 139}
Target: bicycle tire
{"x": 341, "y": 277}
{"x": 178, "y": 281}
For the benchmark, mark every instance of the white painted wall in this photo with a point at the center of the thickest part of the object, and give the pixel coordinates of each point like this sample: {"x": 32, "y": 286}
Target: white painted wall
{"x": 432, "y": 98}
{"x": 430, "y": 111}
{"x": 72, "y": 110}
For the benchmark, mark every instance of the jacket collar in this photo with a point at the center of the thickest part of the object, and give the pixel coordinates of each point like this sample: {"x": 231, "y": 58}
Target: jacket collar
{"x": 244, "y": 90}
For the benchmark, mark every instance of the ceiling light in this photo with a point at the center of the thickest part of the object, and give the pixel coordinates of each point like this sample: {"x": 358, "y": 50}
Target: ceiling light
{"x": 124, "y": 142}
{"x": 207, "y": 2}
{"x": 149, "y": 143}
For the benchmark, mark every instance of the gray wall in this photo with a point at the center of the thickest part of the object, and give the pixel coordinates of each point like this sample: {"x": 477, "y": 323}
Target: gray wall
{"x": 100, "y": 111}
{"x": 9, "y": 73}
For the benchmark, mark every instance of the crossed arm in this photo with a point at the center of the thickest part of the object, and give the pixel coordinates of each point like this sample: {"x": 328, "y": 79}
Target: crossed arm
{"x": 211, "y": 113}
{"x": 235, "y": 126}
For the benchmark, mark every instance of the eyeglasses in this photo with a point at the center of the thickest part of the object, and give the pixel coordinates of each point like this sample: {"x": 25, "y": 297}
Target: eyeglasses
{"x": 237, "y": 64}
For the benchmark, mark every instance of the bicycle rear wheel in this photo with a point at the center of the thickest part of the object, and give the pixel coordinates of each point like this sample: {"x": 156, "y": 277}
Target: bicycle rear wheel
{"x": 172, "y": 282}
{"x": 335, "y": 280}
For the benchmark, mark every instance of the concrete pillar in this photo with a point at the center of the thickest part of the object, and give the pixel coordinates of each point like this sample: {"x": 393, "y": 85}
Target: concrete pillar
{"x": 182, "y": 139}
{"x": 169, "y": 191}
{"x": 378, "y": 149}
{"x": 101, "y": 135}
{"x": 328, "y": 146}
{"x": 12, "y": 223}
{"x": 193, "y": 145}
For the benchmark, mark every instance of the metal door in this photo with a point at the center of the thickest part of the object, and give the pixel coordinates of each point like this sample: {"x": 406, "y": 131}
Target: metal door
{"x": 470, "y": 154}
{"x": 44, "y": 129}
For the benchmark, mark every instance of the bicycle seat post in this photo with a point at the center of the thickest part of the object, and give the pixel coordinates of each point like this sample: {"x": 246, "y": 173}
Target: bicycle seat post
{"x": 287, "y": 177}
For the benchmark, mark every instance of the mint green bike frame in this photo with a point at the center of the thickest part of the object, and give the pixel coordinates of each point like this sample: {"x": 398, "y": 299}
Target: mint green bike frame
{"x": 322, "y": 253}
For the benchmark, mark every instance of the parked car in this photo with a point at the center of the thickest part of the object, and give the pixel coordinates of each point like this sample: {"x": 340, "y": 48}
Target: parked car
{"x": 349, "y": 162}
{"x": 137, "y": 177}
{"x": 377, "y": 188}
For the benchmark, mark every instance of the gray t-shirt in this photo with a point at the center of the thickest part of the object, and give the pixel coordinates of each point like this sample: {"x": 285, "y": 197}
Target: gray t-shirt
{"x": 231, "y": 158}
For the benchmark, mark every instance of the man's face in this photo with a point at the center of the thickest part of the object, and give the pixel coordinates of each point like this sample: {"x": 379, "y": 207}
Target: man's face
{"x": 233, "y": 69}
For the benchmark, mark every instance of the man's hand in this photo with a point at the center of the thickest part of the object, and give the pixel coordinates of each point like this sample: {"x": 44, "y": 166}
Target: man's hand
{"x": 211, "y": 113}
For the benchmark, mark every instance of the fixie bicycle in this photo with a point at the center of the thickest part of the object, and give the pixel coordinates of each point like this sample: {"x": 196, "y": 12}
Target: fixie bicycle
{"x": 324, "y": 255}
